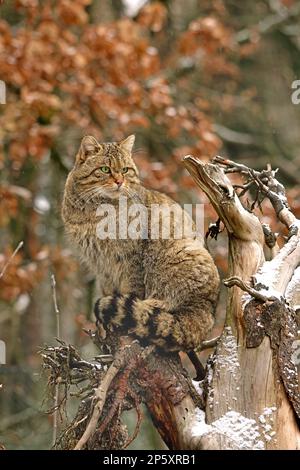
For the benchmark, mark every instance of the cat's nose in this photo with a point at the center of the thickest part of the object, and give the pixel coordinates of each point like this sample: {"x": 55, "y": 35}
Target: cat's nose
{"x": 119, "y": 183}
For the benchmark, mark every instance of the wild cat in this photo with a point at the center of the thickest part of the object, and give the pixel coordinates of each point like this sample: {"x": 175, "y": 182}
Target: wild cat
{"x": 162, "y": 291}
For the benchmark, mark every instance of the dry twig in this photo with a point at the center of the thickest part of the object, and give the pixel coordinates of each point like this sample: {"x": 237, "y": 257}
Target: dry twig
{"x": 56, "y": 397}
{"x": 11, "y": 258}
{"x": 236, "y": 281}
{"x": 100, "y": 397}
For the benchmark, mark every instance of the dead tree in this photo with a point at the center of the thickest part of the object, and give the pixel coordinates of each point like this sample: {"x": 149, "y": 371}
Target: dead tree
{"x": 250, "y": 396}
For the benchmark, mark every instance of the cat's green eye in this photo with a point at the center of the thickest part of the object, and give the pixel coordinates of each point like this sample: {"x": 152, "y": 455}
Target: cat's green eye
{"x": 105, "y": 169}
{"x": 125, "y": 170}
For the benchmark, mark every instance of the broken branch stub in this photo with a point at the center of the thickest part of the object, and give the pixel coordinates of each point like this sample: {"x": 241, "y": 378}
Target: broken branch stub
{"x": 213, "y": 181}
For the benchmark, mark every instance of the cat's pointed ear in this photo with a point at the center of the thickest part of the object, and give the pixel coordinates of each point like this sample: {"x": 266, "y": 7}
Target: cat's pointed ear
{"x": 89, "y": 146}
{"x": 127, "y": 144}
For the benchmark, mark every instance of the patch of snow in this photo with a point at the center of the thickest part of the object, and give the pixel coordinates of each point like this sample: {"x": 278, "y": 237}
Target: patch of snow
{"x": 198, "y": 427}
{"x": 209, "y": 377}
{"x": 293, "y": 288}
{"x": 269, "y": 273}
{"x": 242, "y": 431}
{"x": 266, "y": 423}
{"x": 246, "y": 298}
{"x": 226, "y": 360}
{"x": 229, "y": 358}
{"x": 295, "y": 358}
{"x": 198, "y": 387}
{"x": 209, "y": 374}
{"x": 98, "y": 366}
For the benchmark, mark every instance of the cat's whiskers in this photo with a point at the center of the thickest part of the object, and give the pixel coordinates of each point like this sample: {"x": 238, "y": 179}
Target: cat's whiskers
{"x": 87, "y": 195}
{"x": 131, "y": 194}
{"x": 91, "y": 193}
{"x": 107, "y": 192}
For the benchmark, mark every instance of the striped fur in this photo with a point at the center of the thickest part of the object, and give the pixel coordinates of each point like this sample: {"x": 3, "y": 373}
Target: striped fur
{"x": 150, "y": 321}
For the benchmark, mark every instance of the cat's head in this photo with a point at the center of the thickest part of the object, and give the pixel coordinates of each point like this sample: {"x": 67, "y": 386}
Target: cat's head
{"x": 105, "y": 169}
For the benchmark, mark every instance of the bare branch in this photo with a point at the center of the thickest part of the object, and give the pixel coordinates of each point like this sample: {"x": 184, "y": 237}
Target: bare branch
{"x": 100, "y": 397}
{"x": 213, "y": 181}
{"x": 11, "y": 258}
{"x": 56, "y": 397}
{"x": 135, "y": 397}
{"x": 268, "y": 186}
{"x": 236, "y": 281}
{"x": 210, "y": 343}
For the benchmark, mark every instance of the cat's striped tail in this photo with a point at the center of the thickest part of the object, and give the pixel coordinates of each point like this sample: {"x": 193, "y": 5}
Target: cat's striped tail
{"x": 149, "y": 320}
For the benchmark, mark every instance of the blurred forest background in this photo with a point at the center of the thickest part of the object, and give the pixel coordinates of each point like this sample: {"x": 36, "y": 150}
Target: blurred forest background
{"x": 186, "y": 76}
